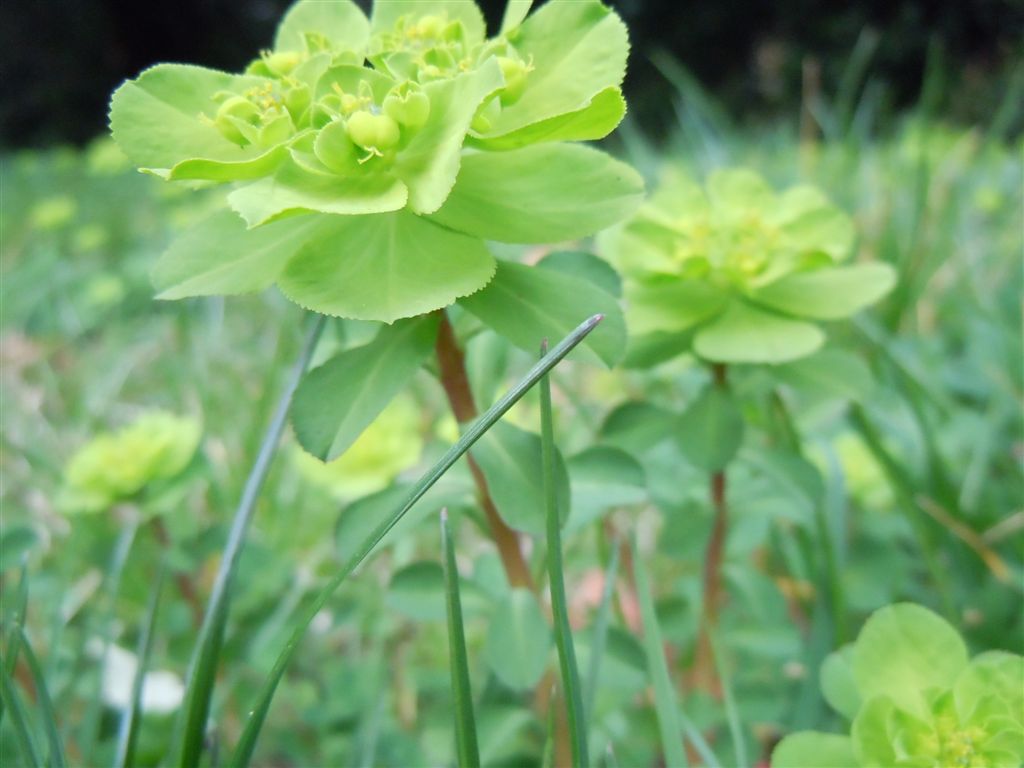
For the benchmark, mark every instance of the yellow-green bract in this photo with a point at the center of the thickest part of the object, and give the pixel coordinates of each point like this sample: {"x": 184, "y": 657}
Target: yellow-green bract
{"x": 116, "y": 466}
{"x": 344, "y": 144}
{"x": 915, "y": 699}
{"x": 743, "y": 270}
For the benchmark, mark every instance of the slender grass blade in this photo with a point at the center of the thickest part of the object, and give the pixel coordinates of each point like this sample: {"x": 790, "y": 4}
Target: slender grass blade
{"x": 17, "y": 623}
{"x": 128, "y": 730}
{"x": 466, "y": 749}
{"x": 55, "y": 758}
{"x": 666, "y": 705}
{"x": 600, "y": 638}
{"x": 250, "y": 733}
{"x": 556, "y": 584}
{"x": 19, "y": 718}
{"x": 203, "y": 667}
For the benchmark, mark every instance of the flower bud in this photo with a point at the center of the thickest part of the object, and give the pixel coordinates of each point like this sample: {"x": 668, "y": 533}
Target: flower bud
{"x": 407, "y": 105}
{"x": 429, "y": 27}
{"x": 515, "y": 72}
{"x": 373, "y": 132}
{"x": 233, "y": 111}
{"x": 283, "y": 63}
{"x": 335, "y": 149}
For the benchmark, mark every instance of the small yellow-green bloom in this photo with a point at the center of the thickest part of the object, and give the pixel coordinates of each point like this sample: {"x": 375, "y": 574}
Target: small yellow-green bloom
{"x": 745, "y": 270}
{"x": 116, "y": 466}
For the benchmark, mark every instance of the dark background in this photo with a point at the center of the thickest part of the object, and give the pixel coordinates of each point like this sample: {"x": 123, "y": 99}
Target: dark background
{"x": 60, "y": 59}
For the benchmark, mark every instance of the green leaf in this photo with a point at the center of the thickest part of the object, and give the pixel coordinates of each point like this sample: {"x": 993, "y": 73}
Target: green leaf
{"x": 511, "y": 461}
{"x": 586, "y": 266}
{"x": 652, "y": 349}
{"x": 828, "y": 294}
{"x": 993, "y": 673}
{"x": 831, "y": 372}
{"x": 743, "y": 334}
{"x": 155, "y": 119}
{"x": 872, "y": 741}
{"x": 55, "y": 749}
{"x": 547, "y": 193}
{"x": 293, "y": 189}
{"x": 258, "y": 713}
{"x": 337, "y": 401}
{"x": 577, "y": 49}
{"x": 670, "y": 303}
{"x": 515, "y": 12}
{"x": 417, "y": 591}
{"x": 810, "y": 749}
{"x": 388, "y": 12}
{"x": 14, "y": 704}
{"x": 820, "y": 229}
{"x": 468, "y": 753}
{"x": 571, "y": 688}
{"x": 527, "y": 305}
{"x": 603, "y": 477}
{"x": 666, "y": 705}
{"x": 838, "y": 685}
{"x": 591, "y": 122}
{"x": 340, "y": 21}
{"x": 637, "y": 426}
{"x": 429, "y": 164}
{"x": 903, "y": 650}
{"x": 385, "y": 267}
{"x": 221, "y": 256}
{"x": 710, "y": 430}
{"x": 738, "y": 189}
{"x": 518, "y": 641}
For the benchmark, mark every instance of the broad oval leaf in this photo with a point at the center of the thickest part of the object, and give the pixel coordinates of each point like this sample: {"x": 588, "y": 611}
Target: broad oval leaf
{"x": 710, "y": 430}
{"x": 828, "y": 294}
{"x": 527, "y": 305}
{"x": 340, "y": 21}
{"x": 577, "y": 50}
{"x": 518, "y": 641}
{"x": 603, "y": 477}
{"x": 837, "y": 683}
{"x": 221, "y": 256}
{"x": 546, "y": 193}
{"x": 417, "y": 591}
{"x": 743, "y": 334}
{"x": 904, "y": 650}
{"x": 511, "y": 461}
{"x": 811, "y": 749}
{"x": 155, "y": 119}
{"x": 385, "y": 267}
{"x": 337, "y": 401}
{"x": 831, "y": 373}
{"x": 586, "y": 266}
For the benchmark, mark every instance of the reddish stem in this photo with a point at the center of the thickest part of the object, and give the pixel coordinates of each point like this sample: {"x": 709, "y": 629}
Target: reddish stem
{"x": 455, "y": 381}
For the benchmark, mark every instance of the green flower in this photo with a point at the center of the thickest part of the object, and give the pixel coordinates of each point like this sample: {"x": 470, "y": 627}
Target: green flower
{"x": 915, "y": 700}
{"x": 742, "y": 270}
{"x": 115, "y": 467}
{"x": 364, "y": 153}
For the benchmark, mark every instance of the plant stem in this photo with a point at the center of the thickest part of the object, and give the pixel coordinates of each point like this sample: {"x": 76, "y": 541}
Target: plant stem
{"x": 705, "y": 674}
{"x": 452, "y": 364}
{"x": 183, "y": 580}
{"x": 202, "y": 669}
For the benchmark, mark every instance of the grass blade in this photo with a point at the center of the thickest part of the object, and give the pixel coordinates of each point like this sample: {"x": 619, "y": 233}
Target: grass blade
{"x": 732, "y": 715}
{"x": 203, "y": 666}
{"x": 556, "y": 584}
{"x": 665, "y": 703}
{"x": 247, "y": 742}
{"x": 466, "y": 749}
{"x": 19, "y": 718}
{"x": 128, "y": 730}
{"x": 18, "y": 621}
{"x": 700, "y": 744}
{"x": 600, "y": 638}
{"x": 56, "y": 749}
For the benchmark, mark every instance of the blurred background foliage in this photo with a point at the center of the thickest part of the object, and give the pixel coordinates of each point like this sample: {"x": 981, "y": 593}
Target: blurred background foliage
{"x": 911, "y": 488}
{"x": 60, "y": 62}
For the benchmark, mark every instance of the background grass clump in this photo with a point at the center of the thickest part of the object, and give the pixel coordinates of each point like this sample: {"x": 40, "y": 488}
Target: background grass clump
{"x": 885, "y": 468}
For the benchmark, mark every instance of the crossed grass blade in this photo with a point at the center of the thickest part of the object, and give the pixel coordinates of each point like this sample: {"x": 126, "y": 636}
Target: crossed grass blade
{"x": 556, "y": 583}
{"x": 250, "y": 733}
